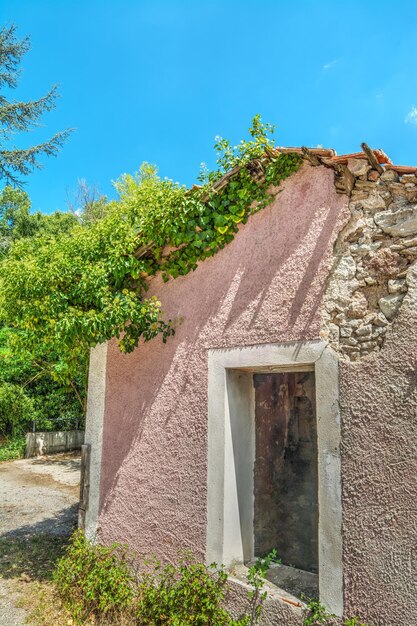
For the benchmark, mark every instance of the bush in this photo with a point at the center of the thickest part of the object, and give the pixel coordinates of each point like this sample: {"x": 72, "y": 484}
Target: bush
{"x": 94, "y": 580}
{"x": 17, "y": 410}
{"x": 13, "y": 449}
{"x": 190, "y": 593}
{"x": 97, "y": 585}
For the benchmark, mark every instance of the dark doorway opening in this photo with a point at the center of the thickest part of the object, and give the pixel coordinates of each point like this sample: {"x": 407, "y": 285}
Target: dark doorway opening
{"x": 286, "y": 469}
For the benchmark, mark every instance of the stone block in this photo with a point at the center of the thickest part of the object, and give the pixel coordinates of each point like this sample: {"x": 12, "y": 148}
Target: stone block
{"x": 396, "y": 286}
{"x": 358, "y": 167}
{"x": 346, "y": 268}
{"x": 365, "y": 330}
{"x": 390, "y": 176}
{"x": 399, "y": 223}
{"x": 373, "y": 175}
{"x": 390, "y": 305}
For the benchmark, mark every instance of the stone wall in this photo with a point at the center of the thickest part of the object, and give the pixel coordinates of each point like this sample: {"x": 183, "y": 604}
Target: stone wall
{"x": 373, "y": 255}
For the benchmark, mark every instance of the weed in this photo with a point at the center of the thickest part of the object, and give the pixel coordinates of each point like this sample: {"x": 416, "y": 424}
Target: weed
{"x": 317, "y": 614}
{"x": 190, "y": 593}
{"x": 256, "y": 576}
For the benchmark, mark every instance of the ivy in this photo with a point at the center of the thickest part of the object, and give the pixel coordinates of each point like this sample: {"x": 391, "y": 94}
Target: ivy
{"x": 69, "y": 292}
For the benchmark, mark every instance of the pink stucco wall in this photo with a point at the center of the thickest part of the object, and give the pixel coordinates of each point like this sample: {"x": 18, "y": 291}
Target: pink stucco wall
{"x": 263, "y": 287}
{"x": 379, "y": 474}
{"x": 266, "y": 287}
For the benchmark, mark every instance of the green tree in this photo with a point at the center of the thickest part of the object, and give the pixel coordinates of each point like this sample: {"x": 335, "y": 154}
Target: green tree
{"x": 87, "y": 203}
{"x": 16, "y": 410}
{"x": 33, "y": 381}
{"x": 85, "y": 288}
{"x": 17, "y": 222}
{"x": 59, "y": 403}
{"x": 17, "y": 116}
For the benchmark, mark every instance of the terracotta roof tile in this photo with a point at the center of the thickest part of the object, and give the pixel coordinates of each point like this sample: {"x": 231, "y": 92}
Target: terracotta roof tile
{"x": 380, "y": 155}
{"x": 329, "y": 157}
{"x": 402, "y": 169}
{"x": 322, "y": 152}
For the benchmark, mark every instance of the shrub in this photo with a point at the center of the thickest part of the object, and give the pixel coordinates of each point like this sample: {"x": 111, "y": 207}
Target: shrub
{"x": 97, "y": 585}
{"x": 13, "y": 449}
{"x": 94, "y": 580}
{"x": 190, "y": 593}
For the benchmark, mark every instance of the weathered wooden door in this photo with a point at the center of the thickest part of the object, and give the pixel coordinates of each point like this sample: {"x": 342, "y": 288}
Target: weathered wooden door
{"x": 286, "y": 471}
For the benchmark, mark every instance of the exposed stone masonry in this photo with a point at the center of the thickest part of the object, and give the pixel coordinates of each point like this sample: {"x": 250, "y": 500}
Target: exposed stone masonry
{"x": 373, "y": 254}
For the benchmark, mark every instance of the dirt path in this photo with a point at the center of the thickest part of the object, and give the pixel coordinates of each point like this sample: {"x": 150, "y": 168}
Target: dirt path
{"x": 38, "y": 510}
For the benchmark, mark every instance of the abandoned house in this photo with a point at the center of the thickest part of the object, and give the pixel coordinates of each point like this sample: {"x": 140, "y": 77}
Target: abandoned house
{"x": 283, "y": 413}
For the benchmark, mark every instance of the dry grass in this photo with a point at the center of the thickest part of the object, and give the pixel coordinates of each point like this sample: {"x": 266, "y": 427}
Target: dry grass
{"x": 32, "y": 558}
{"x": 27, "y": 563}
{"x": 43, "y": 606}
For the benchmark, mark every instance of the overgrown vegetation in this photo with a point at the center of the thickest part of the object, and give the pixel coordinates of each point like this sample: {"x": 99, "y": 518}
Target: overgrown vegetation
{"x": 98, "y": 584}
{"x": 68, "y": 284}
{"x": 94, "y": 581}
{"x": 70, "y": 292}
{"x": 88, "y": 583}
{"x": 189, "y": 593}
{"x": 21, "y": 398}
{"x": 32, "y": 392}
{"x": 12, "y": 448}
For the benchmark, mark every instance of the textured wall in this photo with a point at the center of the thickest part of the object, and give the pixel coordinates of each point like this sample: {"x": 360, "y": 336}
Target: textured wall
{"x": 265, "y": 286}
{"x": 379, "y": 475}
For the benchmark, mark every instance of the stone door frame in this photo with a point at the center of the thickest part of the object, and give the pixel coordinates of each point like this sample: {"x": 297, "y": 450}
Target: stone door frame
{"x": 231, "y": 453}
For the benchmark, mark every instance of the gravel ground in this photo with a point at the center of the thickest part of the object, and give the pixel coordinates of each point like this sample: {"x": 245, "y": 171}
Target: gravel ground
{"x": 38, "y": 510}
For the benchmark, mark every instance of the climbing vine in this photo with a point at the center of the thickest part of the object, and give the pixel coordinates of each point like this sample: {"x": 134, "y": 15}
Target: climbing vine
{"x": 72, "y": 291}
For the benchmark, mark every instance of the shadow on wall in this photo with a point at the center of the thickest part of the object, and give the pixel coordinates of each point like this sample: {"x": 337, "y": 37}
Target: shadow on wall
{"x": 264, "y": 287}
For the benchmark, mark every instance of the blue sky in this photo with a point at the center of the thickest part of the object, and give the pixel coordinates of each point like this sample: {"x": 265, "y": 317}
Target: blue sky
{"x": 157, "y": 80}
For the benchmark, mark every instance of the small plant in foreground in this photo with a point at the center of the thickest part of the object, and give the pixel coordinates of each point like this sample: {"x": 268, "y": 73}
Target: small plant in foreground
{"x": 317, "y": 614}
{"x": 190, "y": 593}
{"x": 94, "y": 580}
{"x": 97, "y": 582}
{"x": 256, "y": 576}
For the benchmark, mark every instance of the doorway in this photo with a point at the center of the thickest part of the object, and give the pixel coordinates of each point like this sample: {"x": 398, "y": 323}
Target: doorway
{"x": 286, "y": 468}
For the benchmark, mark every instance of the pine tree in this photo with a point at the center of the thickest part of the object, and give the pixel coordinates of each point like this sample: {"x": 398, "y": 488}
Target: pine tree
{"x": 16, "y": 117}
